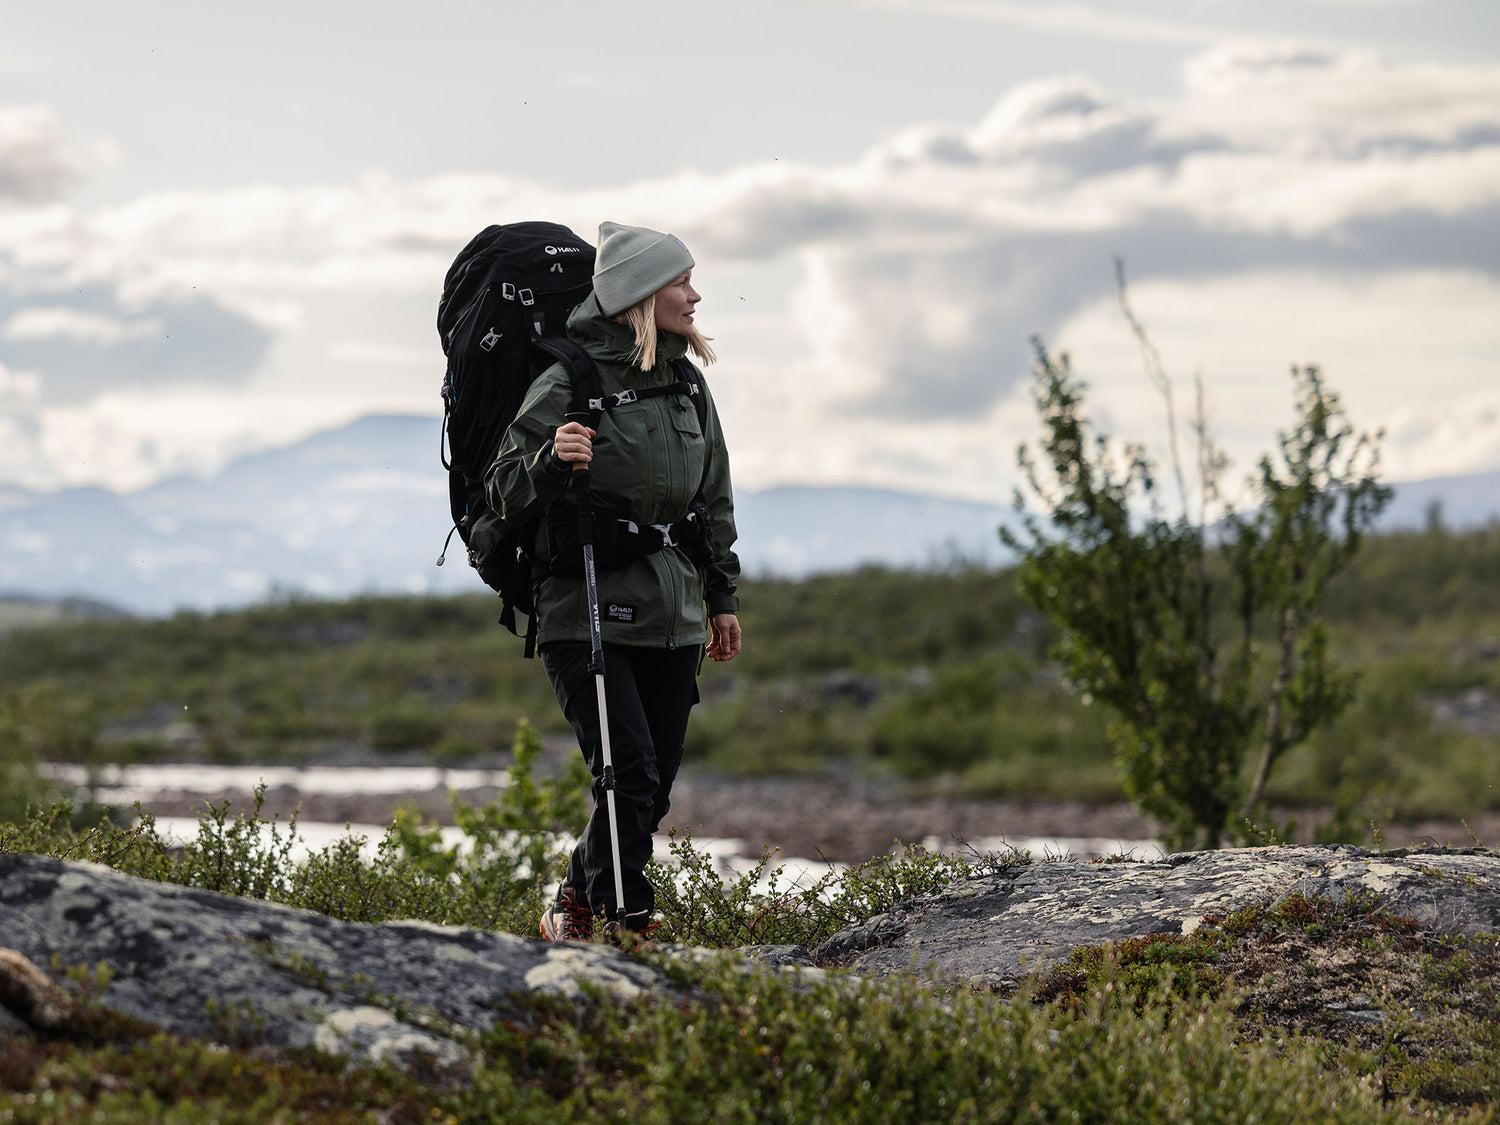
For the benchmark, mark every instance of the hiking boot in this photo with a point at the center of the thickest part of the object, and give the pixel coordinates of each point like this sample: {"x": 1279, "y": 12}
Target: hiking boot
{"x": 568, "y": 919}
{"x": 631, "y": 935}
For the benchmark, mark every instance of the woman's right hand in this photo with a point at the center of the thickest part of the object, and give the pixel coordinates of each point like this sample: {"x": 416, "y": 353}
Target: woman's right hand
{"x": 574, "y": 442}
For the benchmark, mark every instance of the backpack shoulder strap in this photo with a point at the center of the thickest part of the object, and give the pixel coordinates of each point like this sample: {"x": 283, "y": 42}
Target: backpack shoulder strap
{"x": 692, "y": 382}
{"x": 588, "y": 391}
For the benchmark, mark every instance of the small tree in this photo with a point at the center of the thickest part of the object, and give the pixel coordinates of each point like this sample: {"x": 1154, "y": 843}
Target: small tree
{"x": 1199, "y": 630}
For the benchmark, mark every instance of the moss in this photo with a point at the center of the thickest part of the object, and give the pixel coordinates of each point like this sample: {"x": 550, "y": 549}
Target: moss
{"x": 1409, "y": 1013}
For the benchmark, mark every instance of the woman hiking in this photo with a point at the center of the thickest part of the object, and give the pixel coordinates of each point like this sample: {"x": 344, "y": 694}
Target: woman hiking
{"x": 657, "y": 483}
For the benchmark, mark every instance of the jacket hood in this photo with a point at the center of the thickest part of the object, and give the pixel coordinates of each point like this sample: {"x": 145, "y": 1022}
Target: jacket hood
{"x": 607, "y": 339}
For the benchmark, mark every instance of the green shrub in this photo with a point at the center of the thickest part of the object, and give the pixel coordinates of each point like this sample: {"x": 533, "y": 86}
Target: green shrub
{"x": 773, "y": 732}
{"x": 763, "y": 1048}
{"x": 407, "y": 727}
{"x": 997, "y": 714}
{"x": 764, "y": 905}
{"x": 20, "y": 784}
{"x": 736, "y": 1046}
{"x": 494, "y": 879}
{"x": 931, "y": 676}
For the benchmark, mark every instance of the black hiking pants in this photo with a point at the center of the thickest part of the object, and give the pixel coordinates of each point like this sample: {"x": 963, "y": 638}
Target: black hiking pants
{"x": 648, "y": 693}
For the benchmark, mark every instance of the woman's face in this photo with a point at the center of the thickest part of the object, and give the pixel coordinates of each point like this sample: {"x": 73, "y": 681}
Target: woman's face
{"x": 675, "y": 302}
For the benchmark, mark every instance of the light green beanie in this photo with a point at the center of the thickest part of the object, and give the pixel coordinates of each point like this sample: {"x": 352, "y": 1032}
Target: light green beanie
{"x": 633, "y": 263}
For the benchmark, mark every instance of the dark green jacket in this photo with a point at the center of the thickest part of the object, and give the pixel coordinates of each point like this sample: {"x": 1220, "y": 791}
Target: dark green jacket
{"x": 650, "y": 459}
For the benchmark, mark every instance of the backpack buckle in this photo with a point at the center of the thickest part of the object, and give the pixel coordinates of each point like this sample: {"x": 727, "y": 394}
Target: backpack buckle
{"x": 622, "y": 397}
{"x": 666, "y": 534}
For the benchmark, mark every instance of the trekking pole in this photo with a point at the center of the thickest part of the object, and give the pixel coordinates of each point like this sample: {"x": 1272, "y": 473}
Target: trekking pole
{"x": 596, "y": 666}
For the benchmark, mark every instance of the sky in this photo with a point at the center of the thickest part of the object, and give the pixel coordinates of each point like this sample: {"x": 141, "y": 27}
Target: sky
{"x": 224, "y": 227}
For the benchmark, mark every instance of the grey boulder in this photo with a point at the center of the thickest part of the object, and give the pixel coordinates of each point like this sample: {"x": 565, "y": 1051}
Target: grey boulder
{"x": 1028, "y": 918}
{"x": 214, "y": 966}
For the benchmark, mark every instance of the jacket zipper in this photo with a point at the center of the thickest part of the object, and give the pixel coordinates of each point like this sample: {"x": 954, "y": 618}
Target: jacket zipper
{"x": 675, "y": 615}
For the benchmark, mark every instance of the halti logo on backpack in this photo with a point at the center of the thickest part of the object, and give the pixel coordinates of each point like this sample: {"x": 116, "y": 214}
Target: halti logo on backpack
{"x": 564, "y": 249}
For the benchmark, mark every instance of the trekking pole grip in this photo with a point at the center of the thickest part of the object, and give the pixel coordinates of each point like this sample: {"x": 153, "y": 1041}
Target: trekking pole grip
{"x": 585, "y": 419}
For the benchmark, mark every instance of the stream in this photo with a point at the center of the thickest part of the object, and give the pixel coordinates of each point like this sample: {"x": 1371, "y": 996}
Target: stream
{"x": 174, "y": 785}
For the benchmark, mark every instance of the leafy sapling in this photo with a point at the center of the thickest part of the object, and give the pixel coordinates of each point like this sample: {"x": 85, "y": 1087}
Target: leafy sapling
{"x": 1199, "y": 628}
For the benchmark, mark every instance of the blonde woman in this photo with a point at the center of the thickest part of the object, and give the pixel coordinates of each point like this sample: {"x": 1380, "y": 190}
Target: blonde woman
{"x": 665, "y": 600}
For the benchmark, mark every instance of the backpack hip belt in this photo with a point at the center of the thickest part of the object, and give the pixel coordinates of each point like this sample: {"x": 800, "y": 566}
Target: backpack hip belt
{"x": 619, "y": 540}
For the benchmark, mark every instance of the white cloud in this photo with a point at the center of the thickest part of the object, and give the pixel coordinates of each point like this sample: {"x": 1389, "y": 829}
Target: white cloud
{"x": 1289, "y": 98}
{"x": 360, "y": 351}
{"x": 45, "y": 322}
{"x": 35, "y": 164}
{"x": 1237, "y": 151}
{"x": 1412, "y": 353}
{"x": 19, "y": 460}
{"x": 893, "y": 294}
{"x": 1356, "y": 134}
{"x": 127, "y": 439}
{"x": 18, "y": 385}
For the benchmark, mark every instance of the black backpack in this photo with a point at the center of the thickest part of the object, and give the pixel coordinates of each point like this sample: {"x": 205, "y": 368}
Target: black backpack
{"x": 502, "y": 319}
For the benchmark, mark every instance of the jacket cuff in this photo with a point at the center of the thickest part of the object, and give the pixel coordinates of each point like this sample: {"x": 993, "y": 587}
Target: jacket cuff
{"x": 552, "y": 465}
{"x": 722, "y": 603}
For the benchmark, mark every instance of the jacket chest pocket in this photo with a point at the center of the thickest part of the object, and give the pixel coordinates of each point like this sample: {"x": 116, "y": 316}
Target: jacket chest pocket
{"x": 688, "y": 439}
{"x": 649, "y": 459}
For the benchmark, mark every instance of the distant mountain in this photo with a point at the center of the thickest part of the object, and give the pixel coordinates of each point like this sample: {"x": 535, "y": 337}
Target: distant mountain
{"x": 21, "y": 611}
{"x": 363, "y": 509}
{"x": 1453, "y": 502}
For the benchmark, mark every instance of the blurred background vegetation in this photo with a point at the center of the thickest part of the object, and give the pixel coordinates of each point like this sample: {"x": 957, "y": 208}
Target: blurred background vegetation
{"x": 941, "y": 679}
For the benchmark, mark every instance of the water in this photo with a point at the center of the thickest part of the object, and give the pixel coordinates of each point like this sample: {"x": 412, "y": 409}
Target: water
{"x": 730, "y": 857}
{"x": 124, "y": 785}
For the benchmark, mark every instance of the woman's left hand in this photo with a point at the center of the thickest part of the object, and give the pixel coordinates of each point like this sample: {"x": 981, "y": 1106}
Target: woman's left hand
{"x": 724, "y": 639}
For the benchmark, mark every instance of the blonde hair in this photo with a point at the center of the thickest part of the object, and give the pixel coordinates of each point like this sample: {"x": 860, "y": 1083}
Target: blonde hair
{"x": 640, "y": 318}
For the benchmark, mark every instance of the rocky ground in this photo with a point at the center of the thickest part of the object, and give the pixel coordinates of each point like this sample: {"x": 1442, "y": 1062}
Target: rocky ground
{"x": 189, "y": 959}
{"x": 1386, "y": 962}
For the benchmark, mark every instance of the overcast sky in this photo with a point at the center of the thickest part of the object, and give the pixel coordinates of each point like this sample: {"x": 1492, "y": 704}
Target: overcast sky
{"x": 224, "y": 226}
